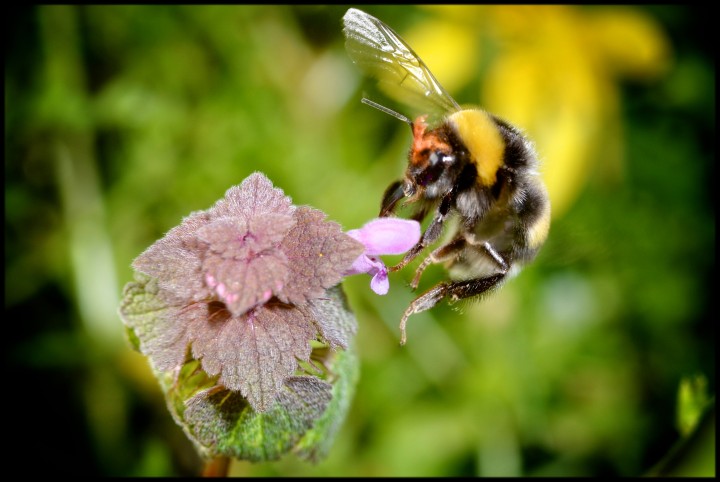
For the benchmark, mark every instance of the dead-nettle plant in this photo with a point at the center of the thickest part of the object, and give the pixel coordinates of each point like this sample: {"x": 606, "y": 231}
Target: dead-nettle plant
{"x": 241, "y": 314}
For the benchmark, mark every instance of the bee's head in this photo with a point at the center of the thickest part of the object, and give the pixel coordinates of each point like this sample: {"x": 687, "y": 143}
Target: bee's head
{"x": 429, "y": 173}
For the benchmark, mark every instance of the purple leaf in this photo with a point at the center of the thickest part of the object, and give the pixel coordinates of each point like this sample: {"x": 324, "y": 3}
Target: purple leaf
{"x": 253, "y": 353}
{"x": 244, "y": 265}
{"x": 318, "y": 253}
{"x": 176, "y": 259}
{"x": 255, "y": 196}
{"x": 334, "y": 319}
{"x": 243, "y": 284}
{"x": 239, "y": 238}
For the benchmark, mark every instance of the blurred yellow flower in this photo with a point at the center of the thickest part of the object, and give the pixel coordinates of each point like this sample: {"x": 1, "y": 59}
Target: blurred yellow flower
{"x": 440, "y": 40}
{"x": 553, "y": 71}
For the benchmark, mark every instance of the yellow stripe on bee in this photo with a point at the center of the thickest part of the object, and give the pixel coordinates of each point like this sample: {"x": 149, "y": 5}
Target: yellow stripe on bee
{"x": 483, "y": 139}
{"x": 538, "y": 232}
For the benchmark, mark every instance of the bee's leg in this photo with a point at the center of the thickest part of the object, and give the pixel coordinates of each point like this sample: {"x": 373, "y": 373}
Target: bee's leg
{"x": 431, "y": 233}
{"x": 502, "y": 264}
{"x": 441, "y": 254}
{"x": 456, "y": 290}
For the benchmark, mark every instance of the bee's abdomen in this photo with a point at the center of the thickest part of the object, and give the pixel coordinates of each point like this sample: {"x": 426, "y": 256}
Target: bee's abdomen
{"x": 533, "y": 214}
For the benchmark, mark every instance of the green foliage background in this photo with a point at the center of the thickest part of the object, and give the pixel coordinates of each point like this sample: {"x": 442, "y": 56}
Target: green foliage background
{"x": 121, "y": 120}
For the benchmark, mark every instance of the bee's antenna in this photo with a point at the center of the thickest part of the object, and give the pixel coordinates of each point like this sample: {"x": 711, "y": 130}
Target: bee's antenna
{"x": 387, "y": 110}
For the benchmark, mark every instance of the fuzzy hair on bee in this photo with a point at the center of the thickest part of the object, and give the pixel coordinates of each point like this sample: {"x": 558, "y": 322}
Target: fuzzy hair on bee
{"x": 469, "y": 165}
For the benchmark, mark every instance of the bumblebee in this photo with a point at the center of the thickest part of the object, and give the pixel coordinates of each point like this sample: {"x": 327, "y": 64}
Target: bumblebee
{"x": 468, "y": 165}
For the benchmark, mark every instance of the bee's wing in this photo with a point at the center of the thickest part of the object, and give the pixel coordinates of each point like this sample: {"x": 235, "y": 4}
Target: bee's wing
{"x": 381, "y": 53}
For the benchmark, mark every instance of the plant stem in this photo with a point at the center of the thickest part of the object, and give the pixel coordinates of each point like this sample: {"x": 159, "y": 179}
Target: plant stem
{"x": 217, "y": 467}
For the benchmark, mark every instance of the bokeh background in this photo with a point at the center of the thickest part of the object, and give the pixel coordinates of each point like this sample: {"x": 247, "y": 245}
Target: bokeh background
{"x": 120, "y": 120}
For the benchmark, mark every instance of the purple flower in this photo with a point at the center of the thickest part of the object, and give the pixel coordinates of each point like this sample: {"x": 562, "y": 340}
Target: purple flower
{"x": 382, "y": 236}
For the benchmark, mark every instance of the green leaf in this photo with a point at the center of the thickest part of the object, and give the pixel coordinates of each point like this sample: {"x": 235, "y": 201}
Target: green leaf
{"x": 304, "y": 418}
{"x": 692, "y": 400}
{"x": 316, "y": 442}
{"x": 693, "y": 455}
{"x": 221, "y": 422}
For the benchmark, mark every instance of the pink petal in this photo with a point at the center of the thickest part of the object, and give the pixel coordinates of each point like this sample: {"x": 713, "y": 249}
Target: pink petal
{"x": 380, "y": 283}
{"x": 365, "y": 264}
{"x": 387, "y": 235}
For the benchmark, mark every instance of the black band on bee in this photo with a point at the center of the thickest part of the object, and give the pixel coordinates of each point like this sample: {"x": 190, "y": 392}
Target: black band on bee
{"x": 467, "y": 177}
{"x": 516, "y": 150}
{"x": 532, "y": 205}
{"x": 502, "y": 178}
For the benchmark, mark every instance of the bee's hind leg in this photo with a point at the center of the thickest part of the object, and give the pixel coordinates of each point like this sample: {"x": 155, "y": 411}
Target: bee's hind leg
{"x": 443, "y": 253}
{"x": 456, "y": 290}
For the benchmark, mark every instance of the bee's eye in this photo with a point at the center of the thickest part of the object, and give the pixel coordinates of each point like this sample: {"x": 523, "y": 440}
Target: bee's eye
{"x": 436, "y": 165}
{"x": 438, "y": 156}
{"x": 435, "y": 157}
